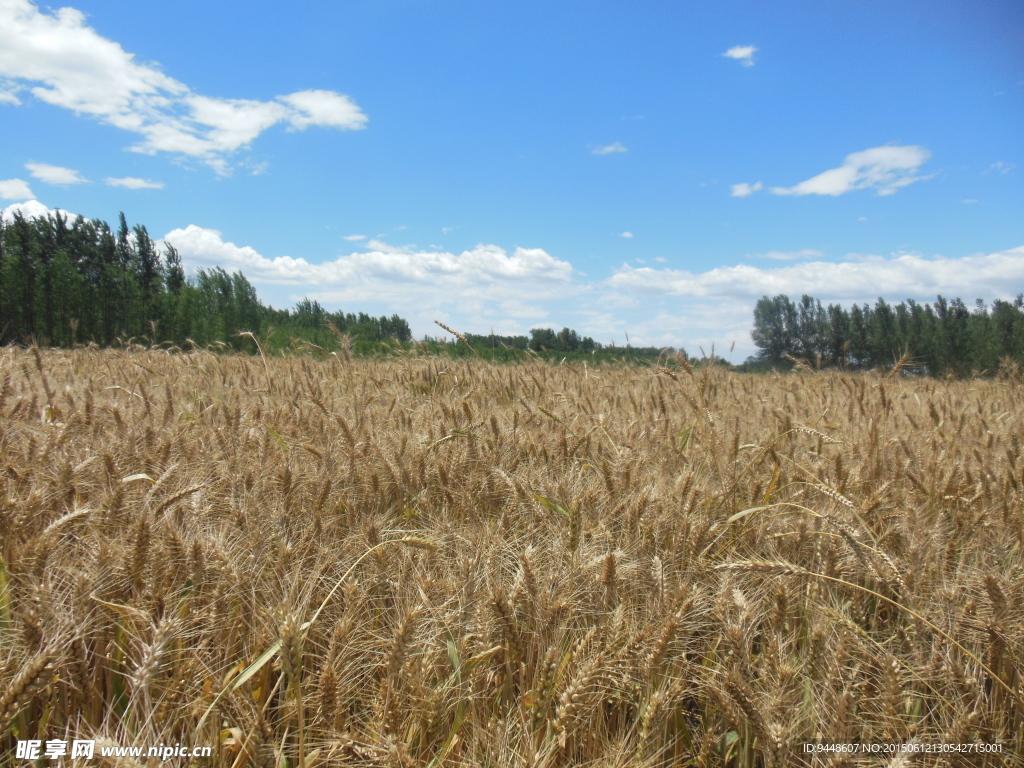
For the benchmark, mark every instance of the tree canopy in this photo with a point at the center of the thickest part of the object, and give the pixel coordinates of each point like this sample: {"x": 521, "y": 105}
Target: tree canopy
{"x": 940, "y": 338}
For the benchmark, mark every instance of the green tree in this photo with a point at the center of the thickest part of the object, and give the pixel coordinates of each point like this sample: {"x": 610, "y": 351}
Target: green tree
{"x": 543, "y": 338}
{"x": 838, "y": 335}
{"x": 883, "y": 339}
{"x": 776, "y": 328}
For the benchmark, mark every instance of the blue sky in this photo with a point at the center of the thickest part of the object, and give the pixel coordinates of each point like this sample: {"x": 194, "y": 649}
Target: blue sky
{"x": 647, "y": 170}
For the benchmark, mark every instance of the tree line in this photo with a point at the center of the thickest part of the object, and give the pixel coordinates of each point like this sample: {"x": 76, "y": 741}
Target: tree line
{"x": 65, "y": 281}
{"x": 946, "y": 337}
{"x": 545, "y": 342}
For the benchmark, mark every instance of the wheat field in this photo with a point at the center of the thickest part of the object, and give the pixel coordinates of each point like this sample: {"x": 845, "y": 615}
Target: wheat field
{"x": 428, "y": 562}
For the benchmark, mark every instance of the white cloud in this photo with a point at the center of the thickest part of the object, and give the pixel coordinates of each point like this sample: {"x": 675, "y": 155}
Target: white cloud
{"x": 323, "y": 108}
{"x": 1002, "y": 167}
{"x": 8, "y": 94}
{"x": 62, "y": 61}
{"x": 804, "y": 253}
{"x": 353, "y": 238}
{"x": 131, "y": 182}
{"x": 484, "y": 270}
{"x": 906, "y": 275}
{"x": 745, "y": 190}
{"x": 627, "y": 234}
{"x": 473, "y": 290}
{"x": 15, "y": 189}
{"x": 383, "y": 247}
{"x": 254, "y": 168}
{"x": 30, "y": 209}
{"x": 487, "y": 287}
{"x": 663, "y": 306}
{"x": 742, "y": 53}
{"x": 883, "y": 168}
{"x": 610, "y": 149}
{"x": 54, "y": 174}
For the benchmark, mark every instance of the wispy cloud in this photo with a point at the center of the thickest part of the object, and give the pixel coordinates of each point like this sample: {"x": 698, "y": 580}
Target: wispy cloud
{"x": 8, "y": 94}
{"x": 609, "y": 149}
{"x": 353, "y": 238}
{"x": 746, "y": 190}
{"x": 804, "y": 253}
{"x": 54, "y": 174}
{"x": 742, "y": 53}
{"x": 15, "y": 189}
{"x": 131, "y": 182}
{"x": 627, "y": 234}
{"x": 1001, "y": 167}
{"x": 59, "y": 59}
{"x": 885, "y": 169}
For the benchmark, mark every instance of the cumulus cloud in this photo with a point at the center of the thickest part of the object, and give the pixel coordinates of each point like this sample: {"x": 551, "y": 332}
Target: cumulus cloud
{"x": 906, "y": 275}
{"x": 483, "y": 287}
{"x": 30, "y": 209}
{"x": 804, "y": 253}
{"x": 131, "y": 182}
{"x": 657, "y": 306}
{"x": 59, "y": 59}
{"x": 54, "y": 174}
{"x": 15, "y": 189}
{"x": 745, "y": 190}
{"x": 885, "y": 169}
{"x": 387, "y": 271}
{"x": 609, "y": 149}
{"x": 742, "y": 53}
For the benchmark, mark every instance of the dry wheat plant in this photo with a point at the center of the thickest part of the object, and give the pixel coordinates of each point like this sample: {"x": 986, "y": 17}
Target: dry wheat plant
{"x": 429, "y": 562}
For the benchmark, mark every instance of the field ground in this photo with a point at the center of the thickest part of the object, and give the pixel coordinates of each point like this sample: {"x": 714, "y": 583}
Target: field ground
{"x": 426, "y": 562}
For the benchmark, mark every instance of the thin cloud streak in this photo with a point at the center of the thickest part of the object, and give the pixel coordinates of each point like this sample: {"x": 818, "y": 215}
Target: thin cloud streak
{"x": 742, "y": 53}
{"x": 610, "y": 149}
{"x": 746, "y": 190}
{"x": 803, "y": 253}
{"x": 54, "y": 174}
{"x": 131, "y": 182}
